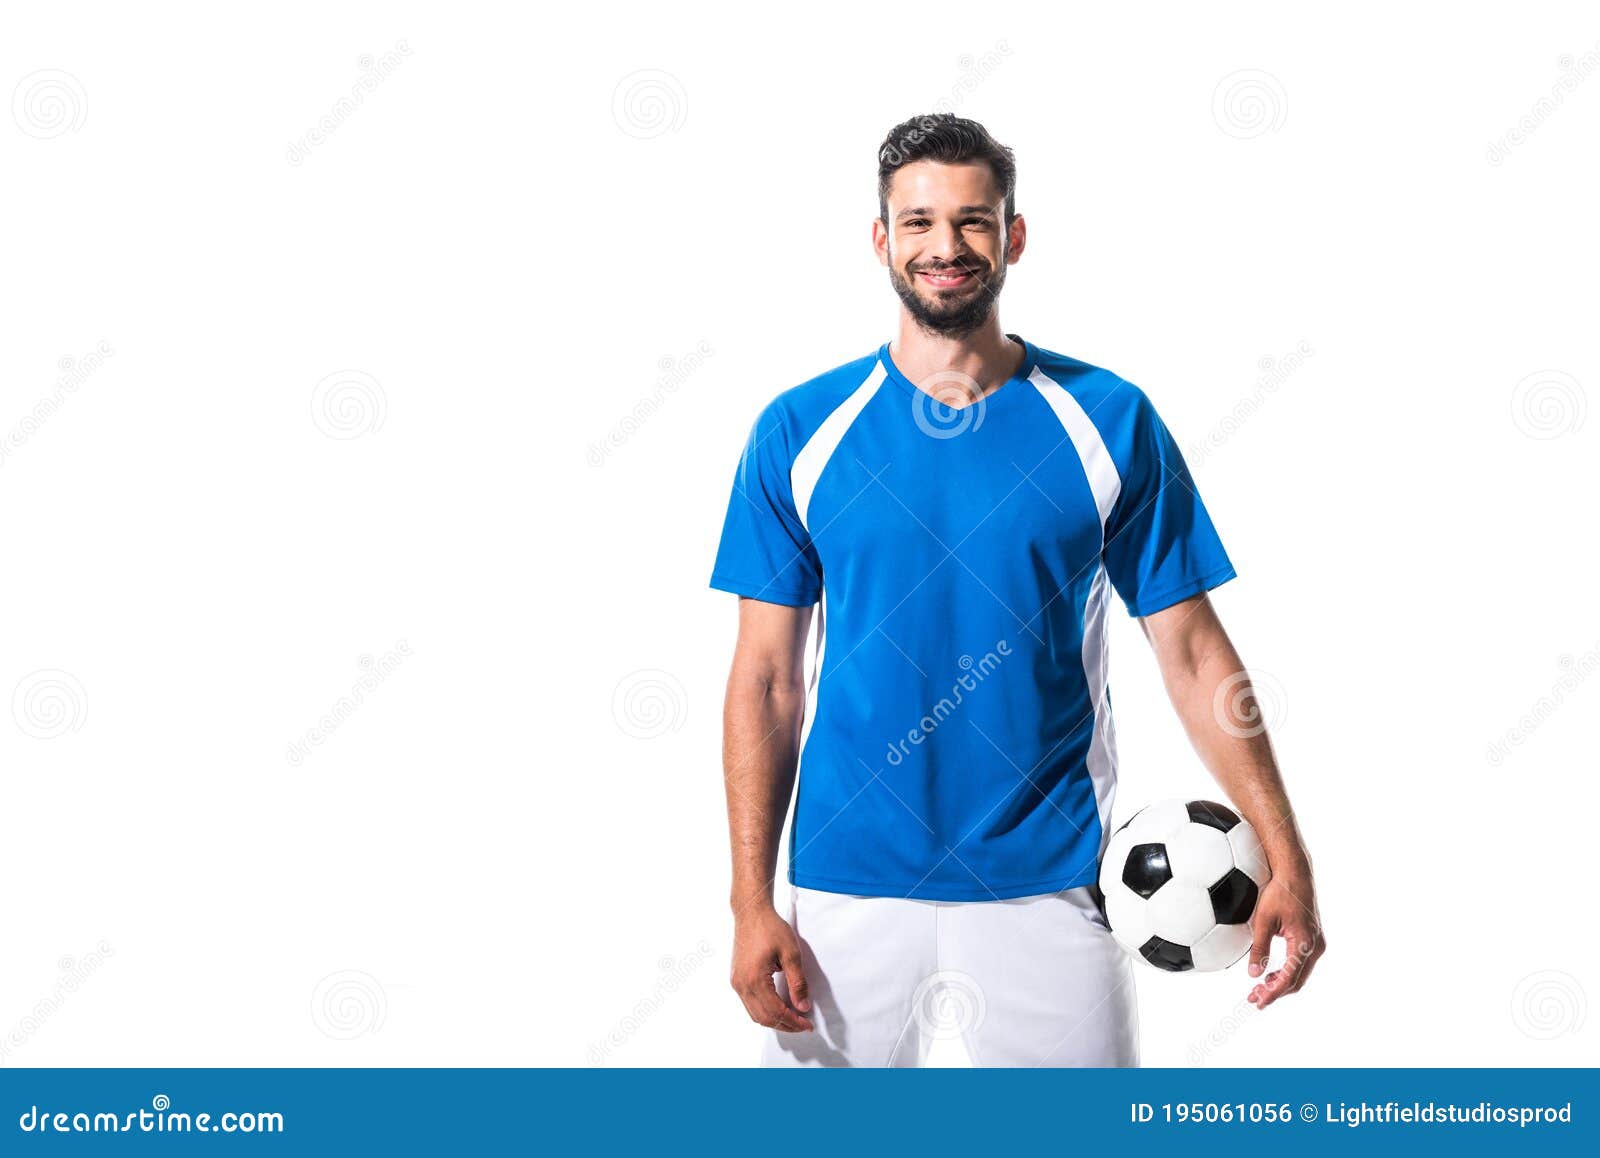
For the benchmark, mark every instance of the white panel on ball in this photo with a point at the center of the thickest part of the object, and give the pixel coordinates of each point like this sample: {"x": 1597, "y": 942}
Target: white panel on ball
{"x": 1159, "y": 821}
{"x": 1199, "y": 854}
{"x": 1116, "y": 857}
{"x": 1248, "y": 854}
{"x": 1128, "y": 914}
{"x": 1180, "y": 911}
{"x": 1221, "y": 947}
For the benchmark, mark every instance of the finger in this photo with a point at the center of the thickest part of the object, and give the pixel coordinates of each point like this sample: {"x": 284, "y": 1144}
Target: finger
{"x": 773, "y": 1011}
{"x": 794, "y": 977}
{"x": 1294, "y": 957}
{"x": 1261, "y": 943}
{"x": 779, "y": 1018}
{"x": 1269, "y": 988}
{"x": 1275, "y": 985}
{"x": 1299, "y": 981}
{"x": 1272, "y": 988}
{"x": 749, "y": 992}
{"x": 1313, "y": 955}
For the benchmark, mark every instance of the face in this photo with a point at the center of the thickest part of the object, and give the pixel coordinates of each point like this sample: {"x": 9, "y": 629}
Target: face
{"x": 946, "y": 244}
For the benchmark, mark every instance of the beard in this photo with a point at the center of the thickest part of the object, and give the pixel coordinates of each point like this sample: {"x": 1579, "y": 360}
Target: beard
{"x": 951, "y": 314}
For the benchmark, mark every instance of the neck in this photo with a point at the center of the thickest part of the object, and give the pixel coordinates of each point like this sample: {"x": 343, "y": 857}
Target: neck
{"x": 986, "y": 355}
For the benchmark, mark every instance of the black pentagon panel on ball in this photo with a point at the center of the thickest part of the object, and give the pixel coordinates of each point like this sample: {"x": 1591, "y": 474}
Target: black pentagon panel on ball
{"x": 1218, "y": 816}
{"x": 1146, "y": 869}
{"x": 1168, "y": 955}
{"x": 1233, "y": 898}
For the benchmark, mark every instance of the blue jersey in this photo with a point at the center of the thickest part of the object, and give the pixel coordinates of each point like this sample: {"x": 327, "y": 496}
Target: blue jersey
{"x": 957, "y": 742}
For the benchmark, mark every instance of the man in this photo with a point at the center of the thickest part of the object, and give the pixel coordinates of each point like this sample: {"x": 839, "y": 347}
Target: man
{"x": 962, "y": 503}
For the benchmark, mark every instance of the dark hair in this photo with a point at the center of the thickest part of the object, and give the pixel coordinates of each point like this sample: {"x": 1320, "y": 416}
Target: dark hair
{"x": 948, "y": 138}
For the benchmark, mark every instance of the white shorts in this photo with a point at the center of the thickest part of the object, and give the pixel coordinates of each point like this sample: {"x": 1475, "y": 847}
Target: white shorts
{"x": 1035, "y": 981}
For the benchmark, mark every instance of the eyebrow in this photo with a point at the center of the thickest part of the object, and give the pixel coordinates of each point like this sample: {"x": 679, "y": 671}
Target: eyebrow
{"x": 923, "y": 211}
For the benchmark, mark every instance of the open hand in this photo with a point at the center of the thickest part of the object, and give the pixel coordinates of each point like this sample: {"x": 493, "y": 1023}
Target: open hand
{"x": 1287, "y": 908}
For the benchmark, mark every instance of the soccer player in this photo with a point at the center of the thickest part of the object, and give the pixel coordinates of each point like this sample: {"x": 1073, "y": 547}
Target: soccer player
{"x": 958, "y": 507}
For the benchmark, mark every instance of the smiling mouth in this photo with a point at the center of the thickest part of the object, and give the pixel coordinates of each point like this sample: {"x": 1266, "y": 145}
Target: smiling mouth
{"x": 946, "y": 278}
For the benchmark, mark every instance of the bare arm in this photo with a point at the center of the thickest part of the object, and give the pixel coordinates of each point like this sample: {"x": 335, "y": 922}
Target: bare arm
{"x": 1211, "y": 691}
{"x": 762, "y": 717}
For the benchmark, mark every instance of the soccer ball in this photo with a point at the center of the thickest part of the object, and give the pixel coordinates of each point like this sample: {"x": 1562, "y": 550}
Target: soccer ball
{"x": 1180, "y": 880}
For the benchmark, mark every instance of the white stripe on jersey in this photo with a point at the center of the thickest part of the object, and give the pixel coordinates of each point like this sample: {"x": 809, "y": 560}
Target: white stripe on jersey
{"x": 814, "y": 455}
{"x": 1097, "y": 462}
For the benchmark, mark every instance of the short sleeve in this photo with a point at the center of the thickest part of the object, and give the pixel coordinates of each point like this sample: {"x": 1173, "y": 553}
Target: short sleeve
{"x": 765, "y": 552}
{"x": 1160, "y": 545}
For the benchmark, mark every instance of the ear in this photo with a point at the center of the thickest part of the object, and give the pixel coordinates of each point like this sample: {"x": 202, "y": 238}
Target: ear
{"x": 880, "y": 240}
{"x": 1016, "y": 238}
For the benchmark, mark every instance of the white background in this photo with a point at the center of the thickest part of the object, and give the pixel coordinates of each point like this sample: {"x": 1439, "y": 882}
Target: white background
{"x": 514, "y": 851}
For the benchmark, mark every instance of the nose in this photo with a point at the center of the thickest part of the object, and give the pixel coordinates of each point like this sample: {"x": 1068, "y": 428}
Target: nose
{"x": 947, "y": 242}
